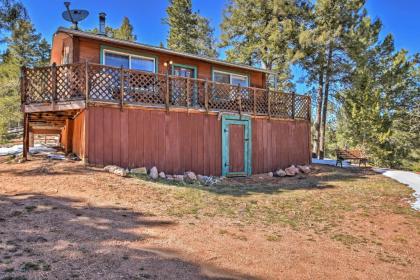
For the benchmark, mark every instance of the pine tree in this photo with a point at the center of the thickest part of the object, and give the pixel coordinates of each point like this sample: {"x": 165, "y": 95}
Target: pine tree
{"x": 24, "y": 46}
{"x": 323, "y": 53}
{"x": 206, "y": 43}
{"x": 380, "y": 107}
{"x": 189, "y": 31}
{"x": 182, "y": 25}
{"x": 10, "y": 12}
{"x": 263, "y": 33}
{"x": 125, "y": 31}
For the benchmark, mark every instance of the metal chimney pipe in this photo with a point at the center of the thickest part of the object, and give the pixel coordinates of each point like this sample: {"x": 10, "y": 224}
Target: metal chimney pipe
{"x": 102, "y": 24}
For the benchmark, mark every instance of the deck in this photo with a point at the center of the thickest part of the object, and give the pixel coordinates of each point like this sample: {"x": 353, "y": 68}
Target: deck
{"x": 73, "y": 86}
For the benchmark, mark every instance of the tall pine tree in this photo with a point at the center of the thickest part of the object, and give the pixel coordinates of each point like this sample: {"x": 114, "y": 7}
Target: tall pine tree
{"x": 189, "y": 31}
{"x": 264, "y": 33}
{"x": 24, "y": 46}
{"x": 323, "y": 44}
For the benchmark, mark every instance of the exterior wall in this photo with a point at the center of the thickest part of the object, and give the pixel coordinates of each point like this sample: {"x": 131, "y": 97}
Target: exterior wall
{"x": 73, "y": 135}
{"x": 78, "y": 135}
{"x": 279, "y": 144}
{"x": 179, "y": 141}
{"x": 175, "y": 142}
{"x": 90, "y": 50}
{"x": 60, "y": 42}
{"x": 66, "y": 136}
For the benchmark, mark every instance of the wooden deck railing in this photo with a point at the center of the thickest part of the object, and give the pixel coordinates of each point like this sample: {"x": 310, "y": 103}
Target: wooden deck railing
{"x": 101, "y": 83}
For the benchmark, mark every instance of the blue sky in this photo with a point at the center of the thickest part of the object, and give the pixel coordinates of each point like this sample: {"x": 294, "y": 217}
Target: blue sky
{"x": 400, "y": 17}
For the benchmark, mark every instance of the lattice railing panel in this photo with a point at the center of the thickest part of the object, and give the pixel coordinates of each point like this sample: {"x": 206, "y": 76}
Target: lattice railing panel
{"x": 38, "y": 85}
{"x": 179, "y": 93}
{"x": 261, "y": 102}
{"x": 302, "y": 105}
{"x": 247, "y": 99}
{"x": 145, "y": 88}
{"x": 281, "y": 104}
{"x": 198, "y": 93}
{"x": 70, "y": 82}
{"x": 223, "y": 97}
{"x": 104, "y": 83}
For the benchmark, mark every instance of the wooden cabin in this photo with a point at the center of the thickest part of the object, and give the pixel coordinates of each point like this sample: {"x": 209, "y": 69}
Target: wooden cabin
{"x": 133, "y": 105}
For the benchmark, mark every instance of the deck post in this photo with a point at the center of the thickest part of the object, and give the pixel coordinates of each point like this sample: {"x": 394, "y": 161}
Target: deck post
{"x": 86, "y": 82}
{"x": 167, "y": 93}
{"x": 25, "y": 136}
{"x": 254, "y": 101}
{"x": 22, "y": 84}
{"x": 121, "y": 88}
{"x": 54, "y": 82}
{"x": 206, "y": 96}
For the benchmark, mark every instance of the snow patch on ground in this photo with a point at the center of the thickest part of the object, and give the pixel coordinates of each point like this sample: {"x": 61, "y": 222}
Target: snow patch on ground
{"x": 410, "y": 179}
{"x": 331, "y": 162}
{"x": 17, "y": 149}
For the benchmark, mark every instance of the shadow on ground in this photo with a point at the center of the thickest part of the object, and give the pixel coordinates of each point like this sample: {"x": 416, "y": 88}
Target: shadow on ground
{"x": 45, "y": 237}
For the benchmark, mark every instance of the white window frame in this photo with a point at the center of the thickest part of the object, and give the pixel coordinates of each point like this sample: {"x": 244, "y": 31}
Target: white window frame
{"x": 230, "y": 76}
{"x": 129, "y": 59}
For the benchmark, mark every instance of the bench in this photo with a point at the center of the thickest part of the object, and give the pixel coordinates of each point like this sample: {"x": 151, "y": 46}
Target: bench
{"x": 349, "y": 154}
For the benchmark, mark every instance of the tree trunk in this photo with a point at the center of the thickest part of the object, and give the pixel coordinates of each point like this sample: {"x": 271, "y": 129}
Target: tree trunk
{"x": 325, "y": 103}
{"x": 319, "y": 111}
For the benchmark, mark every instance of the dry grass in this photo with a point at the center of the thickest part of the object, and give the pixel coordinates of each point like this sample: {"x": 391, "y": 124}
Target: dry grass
{"x": 358, "y": 222}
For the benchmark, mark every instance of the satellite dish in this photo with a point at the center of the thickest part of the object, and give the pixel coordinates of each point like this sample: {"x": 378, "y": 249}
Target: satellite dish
{"x": 74, "y": 16}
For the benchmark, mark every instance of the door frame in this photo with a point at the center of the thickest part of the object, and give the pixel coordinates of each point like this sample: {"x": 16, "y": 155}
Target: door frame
{"x": 184, "y": 66}
{"x": 246, "y": 122}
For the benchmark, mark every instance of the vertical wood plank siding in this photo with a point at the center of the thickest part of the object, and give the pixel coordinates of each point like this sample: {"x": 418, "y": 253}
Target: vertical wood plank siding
{"x": 278, "y": 144}
{"x": 78, "y": 135}
{"x": 176, "y": 142}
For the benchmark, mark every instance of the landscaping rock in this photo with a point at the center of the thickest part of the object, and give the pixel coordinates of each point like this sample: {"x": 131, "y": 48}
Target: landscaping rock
{"x": 139, "y": 171}
{"x": 169, "y": 177}
{"x": 271, "y": 174}
{"x": 116, "y": 170}
{"x": 304, "y": 169}
{"x": 179, "y": 178}
{"x": 202, "y": 179}
{"x": 190, "y": 177}
{"x": 280, "y": 173}
{"x": 162, "y": 175}
{"x": 207, "y": 180}
{"x": 291, "y": 171}
{"x": 154, "y": 173}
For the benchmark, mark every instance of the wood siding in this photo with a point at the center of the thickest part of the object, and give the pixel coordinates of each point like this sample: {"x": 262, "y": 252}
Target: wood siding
{"x": 83, "y": 49}
{"x": 78, "y": 135}
{"x": 279, "y": 144}
{"x": 175, "y": 142}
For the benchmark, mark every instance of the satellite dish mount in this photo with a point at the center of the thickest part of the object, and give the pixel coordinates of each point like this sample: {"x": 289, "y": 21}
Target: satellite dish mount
{"x": 74, "y": 16}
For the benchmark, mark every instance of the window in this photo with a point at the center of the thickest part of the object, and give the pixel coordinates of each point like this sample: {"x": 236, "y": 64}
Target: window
{"x": 129, "y": 61}
{"x": 230, "y": 78}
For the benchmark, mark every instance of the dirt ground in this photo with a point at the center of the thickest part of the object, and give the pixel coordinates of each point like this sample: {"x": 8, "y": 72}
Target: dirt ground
{"x": 62, "y": 220}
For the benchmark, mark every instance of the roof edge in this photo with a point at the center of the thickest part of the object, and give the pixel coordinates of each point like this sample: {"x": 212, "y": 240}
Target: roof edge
{"x": 159, "y": 49}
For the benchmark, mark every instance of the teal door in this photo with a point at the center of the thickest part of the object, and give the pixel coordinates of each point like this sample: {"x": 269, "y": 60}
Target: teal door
{"x": 236, "y": 145}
